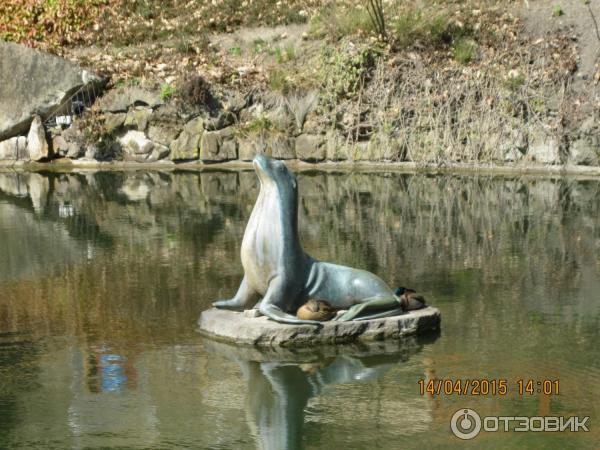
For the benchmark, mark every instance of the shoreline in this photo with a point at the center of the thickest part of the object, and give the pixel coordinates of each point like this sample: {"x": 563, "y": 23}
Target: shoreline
{"x": 302, "y": 166}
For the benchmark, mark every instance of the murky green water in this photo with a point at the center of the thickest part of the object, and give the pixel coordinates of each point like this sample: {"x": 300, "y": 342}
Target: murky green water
{"x": 103, "y": 276}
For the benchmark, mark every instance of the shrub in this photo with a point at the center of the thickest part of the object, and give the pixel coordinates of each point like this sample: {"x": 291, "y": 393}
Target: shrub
{"x": 343, "y": 72}
{"x": 284, "y": 54}
{"x": 407, "y": 28}
{"x": 166, "y": 91}
{"x": 290, "y": 52}
{"x": 557, "y": 11}
{"x": 236, "y": 50}
{"x": 258, "y": 125}
{"x": 337, "y": 22}
{"x": 514, "y": 80}
{"x": 433, "y": 31}
{"x": 258, "y": 45}
{"x": 56, "y": 21}
{"x": 278, "y": 81}
{"x": 463, "y": 50}
{"x": 195, "y": 90}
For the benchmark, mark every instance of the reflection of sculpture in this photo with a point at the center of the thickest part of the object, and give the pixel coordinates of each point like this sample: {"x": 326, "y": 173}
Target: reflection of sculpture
{"x": 277, "y": 269}
{"x": 281, "y": 382}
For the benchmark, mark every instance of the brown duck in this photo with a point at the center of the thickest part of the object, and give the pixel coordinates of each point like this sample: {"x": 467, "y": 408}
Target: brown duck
{"x": 316, "y": 310}
{"x": 409, "y": 299}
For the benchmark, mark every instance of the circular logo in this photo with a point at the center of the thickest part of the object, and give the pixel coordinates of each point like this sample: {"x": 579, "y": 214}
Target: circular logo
{"x": 465, "y": 424}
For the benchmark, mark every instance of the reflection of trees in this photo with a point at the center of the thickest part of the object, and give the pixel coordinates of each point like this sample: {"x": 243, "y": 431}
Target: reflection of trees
{"x": 133, "y": 257}
{"x": 412, "y": 221}
{"x": 534, "y": 232}
{"x": 18, "y": 373}
{"x": 166, "y": 243}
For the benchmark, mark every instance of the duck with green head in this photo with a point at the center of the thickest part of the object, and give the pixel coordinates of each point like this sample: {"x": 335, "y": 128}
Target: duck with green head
{"x": 409, "y": 299}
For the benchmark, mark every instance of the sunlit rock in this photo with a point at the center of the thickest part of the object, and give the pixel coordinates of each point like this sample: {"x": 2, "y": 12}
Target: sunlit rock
{"x": 310, "y": 147}
{"x": 187, "y": 145}
{"x": 135, "y": 143}
{"x": 164, "y": 125}
{"x": 543, "y": 148}
{"x": 113, "y": 122}
{"x": 138, "y": 118}
{"x": 37, "y": 145}
{"x": 14, "y": 149}
{"x": 119, "y": 99}
{"x": 218, "y": 146}
{"x": 35, "y": 83}
{"x": 334, "y": 146}
{"x": 237, "y": 327}
{"x": 584, "y": 151}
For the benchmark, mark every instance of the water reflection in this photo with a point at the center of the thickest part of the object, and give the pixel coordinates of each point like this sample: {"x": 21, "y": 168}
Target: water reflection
{"x": 103, "y": 275}
{"x": 281, "y": 382}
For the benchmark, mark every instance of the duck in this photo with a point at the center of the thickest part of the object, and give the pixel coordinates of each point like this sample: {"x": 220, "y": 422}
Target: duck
{"x": 409, "y": 299}
{"x": 316, "y": 310}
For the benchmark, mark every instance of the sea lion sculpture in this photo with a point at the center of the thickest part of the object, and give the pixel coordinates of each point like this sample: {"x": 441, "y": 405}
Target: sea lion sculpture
{"x": 278, "y": 270}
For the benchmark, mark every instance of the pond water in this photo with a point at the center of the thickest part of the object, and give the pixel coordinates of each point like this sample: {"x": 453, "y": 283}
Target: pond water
{"x": 103, "y": 276}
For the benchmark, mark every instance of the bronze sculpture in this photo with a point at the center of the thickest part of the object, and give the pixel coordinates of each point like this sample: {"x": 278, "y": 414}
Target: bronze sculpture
{"x": 277, "y": 269}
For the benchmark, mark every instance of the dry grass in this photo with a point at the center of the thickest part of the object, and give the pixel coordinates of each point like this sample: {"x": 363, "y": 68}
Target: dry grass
{"x": 300, "y": 104}
{"x": 433, "y": 113}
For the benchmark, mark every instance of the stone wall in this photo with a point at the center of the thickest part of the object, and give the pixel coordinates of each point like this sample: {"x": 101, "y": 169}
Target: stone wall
{"x": 134, "y": 124}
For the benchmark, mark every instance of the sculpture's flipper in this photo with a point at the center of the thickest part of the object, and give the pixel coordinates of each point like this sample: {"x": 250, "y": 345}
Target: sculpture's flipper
{"x": 272, "y": 311}
{"x": 379, "y": 304}
{"x": 244, "y": 295}
{"x": 389, "y": 313}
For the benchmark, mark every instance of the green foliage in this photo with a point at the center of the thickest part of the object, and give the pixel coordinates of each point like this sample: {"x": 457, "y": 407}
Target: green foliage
{"x": 236, "y": 50}
{"x": 288, "y": 53}
{"x": 166, "y": 91}
{"x": 343, "y": 71}
{"x": 258, "y": 125}
{"x": 278, "y": 81}
{"x": 463, "y": 50}
{"x": 335, "y": 22}
{"x": 185, "y": 46}
{"x": 223, "y": 14}
{"x": 121, "y": 83}
{"x": 514, "y": 81}
{"x": 354, "y": 21}
{"x": 57, "y": 21}
{"x": 557, "y": 11}
{"x": 408, "y": 27}
{"x": 434, "y": 31}
{"x": 442, "y": 30}
{"x": 258, "y": 45}
{"x": 144, "y": 8}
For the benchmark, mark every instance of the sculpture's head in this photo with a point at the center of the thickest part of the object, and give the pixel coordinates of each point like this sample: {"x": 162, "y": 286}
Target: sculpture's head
{"x": 272, "y": 172}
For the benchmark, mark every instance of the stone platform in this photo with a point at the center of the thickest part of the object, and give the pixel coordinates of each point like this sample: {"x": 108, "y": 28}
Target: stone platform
{"x": 233, "y": 326}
